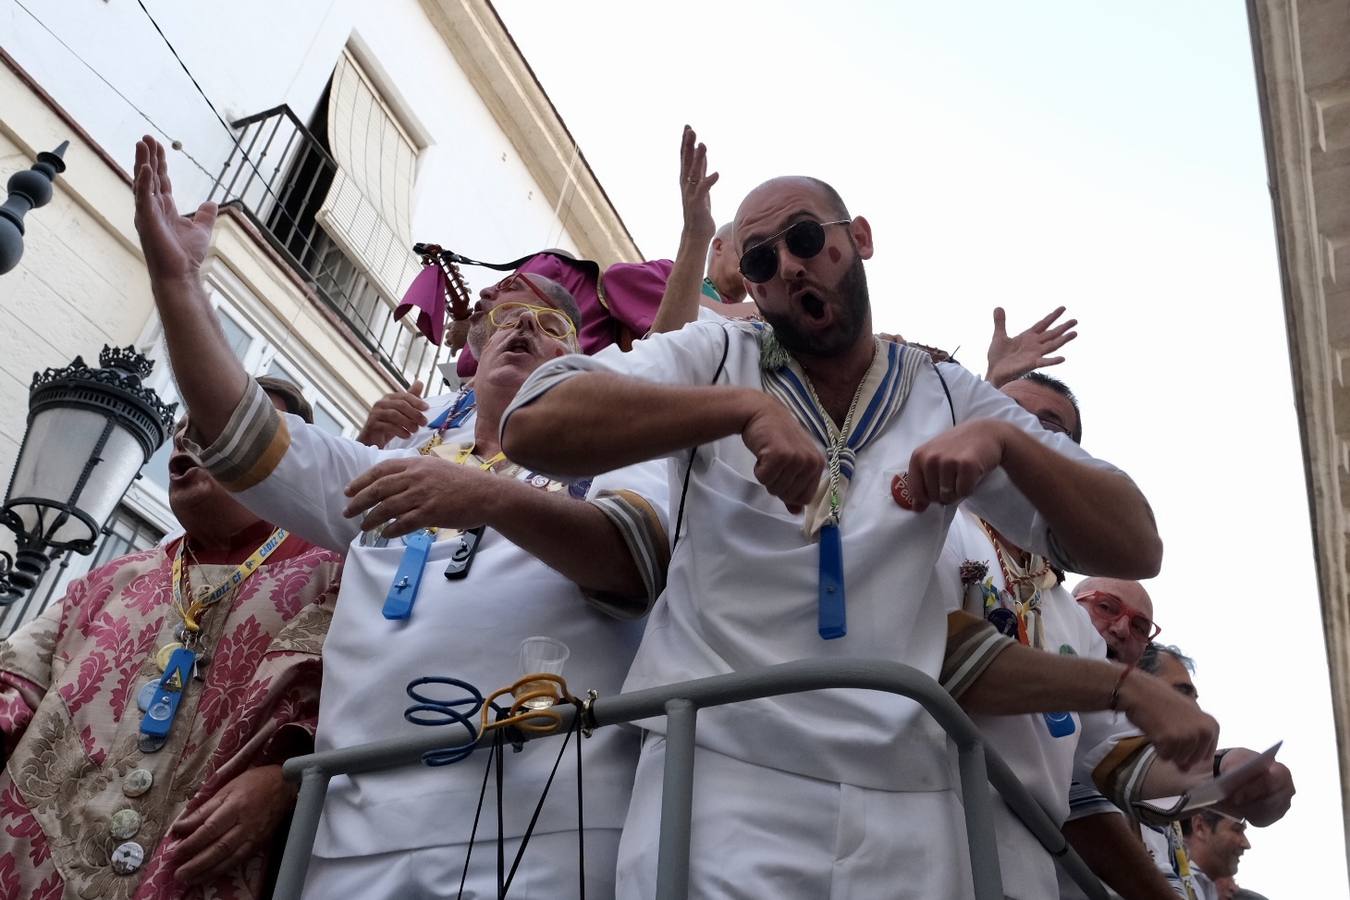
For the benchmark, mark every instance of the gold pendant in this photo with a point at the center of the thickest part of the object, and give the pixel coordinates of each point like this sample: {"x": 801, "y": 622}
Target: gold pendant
{"x": 165, "y": 653}
{"x": 430, "y": 446}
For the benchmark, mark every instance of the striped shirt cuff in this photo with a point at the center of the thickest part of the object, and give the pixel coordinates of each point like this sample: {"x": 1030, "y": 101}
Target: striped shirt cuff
{"x": 546, "y": 378}
{"x": 251, "y": 444}
{"x": 972, "y": 644}
{"x": 1120, "y": 775}
{"x": 1085, "y": 800}
{"x": 647, "y": 543}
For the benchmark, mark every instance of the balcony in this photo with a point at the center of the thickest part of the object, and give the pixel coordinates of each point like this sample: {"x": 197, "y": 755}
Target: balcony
{"x": 281, "y": 178}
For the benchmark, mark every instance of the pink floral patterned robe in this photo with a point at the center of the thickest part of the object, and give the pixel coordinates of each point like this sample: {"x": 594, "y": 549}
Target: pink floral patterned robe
{"x": 69, "y": 719}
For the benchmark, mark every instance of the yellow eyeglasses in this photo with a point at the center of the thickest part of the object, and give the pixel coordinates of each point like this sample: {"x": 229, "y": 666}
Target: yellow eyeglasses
{"x": 553, "y": 323}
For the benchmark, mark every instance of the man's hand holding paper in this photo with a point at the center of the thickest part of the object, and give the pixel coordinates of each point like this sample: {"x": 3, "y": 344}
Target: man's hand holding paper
{"x": 1263, "y": 798}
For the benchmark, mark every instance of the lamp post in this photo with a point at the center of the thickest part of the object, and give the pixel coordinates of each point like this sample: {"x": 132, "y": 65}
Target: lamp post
{"x": 28, "y": 189}
{"x": 89, "y": 433}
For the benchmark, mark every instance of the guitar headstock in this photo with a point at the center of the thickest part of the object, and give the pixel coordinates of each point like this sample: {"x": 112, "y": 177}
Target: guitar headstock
{"x": 457, "y": 292}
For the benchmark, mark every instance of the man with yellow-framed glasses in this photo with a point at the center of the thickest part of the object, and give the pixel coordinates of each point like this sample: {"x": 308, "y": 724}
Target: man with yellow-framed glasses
{"x": 453, "y": 557}
{"x": 396, "y": 419}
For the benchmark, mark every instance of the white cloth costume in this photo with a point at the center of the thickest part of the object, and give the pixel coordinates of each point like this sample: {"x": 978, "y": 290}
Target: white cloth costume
{"x": 1042, "y": 761}
{"x": 742, "y": 594}
{"x": 295, "y": 475}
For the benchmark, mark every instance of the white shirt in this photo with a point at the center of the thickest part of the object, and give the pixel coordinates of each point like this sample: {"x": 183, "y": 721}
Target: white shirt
{"x": 1045, "y": 764}
{"x": 470, "y": 629}
{"x": 742, "y": 588}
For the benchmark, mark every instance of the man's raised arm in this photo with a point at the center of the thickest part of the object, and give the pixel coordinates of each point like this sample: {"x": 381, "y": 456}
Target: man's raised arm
{"x": 209, "y": 375}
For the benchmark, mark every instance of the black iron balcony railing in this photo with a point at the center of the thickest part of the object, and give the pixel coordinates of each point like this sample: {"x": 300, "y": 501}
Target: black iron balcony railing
{"x": 283, "y": 180}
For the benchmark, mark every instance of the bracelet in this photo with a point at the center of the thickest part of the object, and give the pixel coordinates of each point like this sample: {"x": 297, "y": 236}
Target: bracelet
{"x": 1218, "y": 760}
{"x": 1115, "y": 691}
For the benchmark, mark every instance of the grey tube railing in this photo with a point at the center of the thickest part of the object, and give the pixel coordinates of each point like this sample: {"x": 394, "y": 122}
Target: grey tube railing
{"x": 680, "y": 704}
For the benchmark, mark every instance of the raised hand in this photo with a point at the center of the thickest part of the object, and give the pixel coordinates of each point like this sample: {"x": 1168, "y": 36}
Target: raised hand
{"x": 787, "y": 461}
{"x": 174, "y": 245}
{"x": 416, "y": 492}
{"x": 232, "y": 826}
{"x": 397, "y": 414}
{"x": 695, "y": 187}
{"x": 1012, "y": 357}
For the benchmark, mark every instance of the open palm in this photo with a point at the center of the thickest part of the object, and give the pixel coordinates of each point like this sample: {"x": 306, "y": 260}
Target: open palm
{"x": 695, "y": 185}
{"x": 1012, "y": 357}
{"x": 174, "y": 245}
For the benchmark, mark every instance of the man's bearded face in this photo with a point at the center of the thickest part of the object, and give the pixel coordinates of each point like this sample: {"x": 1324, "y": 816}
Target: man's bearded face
{"x": 818, "y": 303}
{"x": 848, "y": 298}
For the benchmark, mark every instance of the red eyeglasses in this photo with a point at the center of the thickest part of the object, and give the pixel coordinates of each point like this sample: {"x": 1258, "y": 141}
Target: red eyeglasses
{"x": 517, "y": 280}
{"x": 1109, "y": 609}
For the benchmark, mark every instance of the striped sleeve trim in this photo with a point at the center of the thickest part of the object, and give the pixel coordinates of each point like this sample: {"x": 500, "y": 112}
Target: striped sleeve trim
{"x": 1086, "y": 800}
{"x": 251, "y": 444}
{"x": 972, "y": 645}
{"x": 647, "y": 543}
{"x": 1120, "y": 775}
{"x": 544, "y": 379}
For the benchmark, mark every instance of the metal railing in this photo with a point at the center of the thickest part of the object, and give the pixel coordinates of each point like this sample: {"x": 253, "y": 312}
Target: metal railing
{"x": 316, "y": 217}
{"x": 680, "y": 704}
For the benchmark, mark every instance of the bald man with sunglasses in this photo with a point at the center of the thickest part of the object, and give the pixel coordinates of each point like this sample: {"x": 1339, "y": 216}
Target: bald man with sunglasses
{"x": 799, "y": 543}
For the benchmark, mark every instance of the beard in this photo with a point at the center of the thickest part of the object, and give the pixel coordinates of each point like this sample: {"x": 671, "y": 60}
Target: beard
{"x": 479, "y": 331}
{"x": 852, "y": 289}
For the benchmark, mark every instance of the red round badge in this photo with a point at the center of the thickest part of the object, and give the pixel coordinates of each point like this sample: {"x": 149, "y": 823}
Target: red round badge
{"x": 900, "y": 491}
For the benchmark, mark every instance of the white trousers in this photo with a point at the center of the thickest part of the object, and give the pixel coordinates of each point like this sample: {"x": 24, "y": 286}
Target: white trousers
{"x": 548, "y": 871}
{"x": 760, "y": 833}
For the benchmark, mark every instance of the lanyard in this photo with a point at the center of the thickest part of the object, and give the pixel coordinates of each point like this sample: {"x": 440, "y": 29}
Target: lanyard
{"x": 453, "y": 417}
{"x": 832, "y": 611}
{"x": 162, "y": 709}
{"x": 1183, "y": 862}
{"x": 886, "y": 386}
{"x": 1026, "y": 613}
{"x": 463, "y": 453}
{"x": 191, "y": 612}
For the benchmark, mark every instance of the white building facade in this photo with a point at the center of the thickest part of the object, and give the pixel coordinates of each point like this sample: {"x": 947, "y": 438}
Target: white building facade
{"x": 350, "y": 131}
{"x": 1302, "y": 56}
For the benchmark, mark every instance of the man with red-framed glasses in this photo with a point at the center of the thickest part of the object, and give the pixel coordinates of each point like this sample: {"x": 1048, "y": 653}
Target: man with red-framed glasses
{"x": 1023, "y": 596}
{"x": 1122, "y": 613}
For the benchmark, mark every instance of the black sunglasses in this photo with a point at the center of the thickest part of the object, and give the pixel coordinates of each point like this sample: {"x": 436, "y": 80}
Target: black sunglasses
{"x": 803, "y": 239}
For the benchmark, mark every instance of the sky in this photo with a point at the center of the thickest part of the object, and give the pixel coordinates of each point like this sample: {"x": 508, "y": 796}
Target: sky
{"x": 1102, "y": 156}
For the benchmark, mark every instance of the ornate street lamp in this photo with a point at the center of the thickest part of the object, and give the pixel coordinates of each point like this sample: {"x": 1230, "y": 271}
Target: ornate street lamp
{"x": 28, "y": 189}
{"x": 89, "y": 433}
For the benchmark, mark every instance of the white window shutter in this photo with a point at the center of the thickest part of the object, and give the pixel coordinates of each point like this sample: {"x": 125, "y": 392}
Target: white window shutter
{"x": 368, "y": 209}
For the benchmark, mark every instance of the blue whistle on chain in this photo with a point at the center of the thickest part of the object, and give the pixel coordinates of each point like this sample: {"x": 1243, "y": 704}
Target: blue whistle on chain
{"x": 159, "y": 715}
{"x": 832, "y": 622}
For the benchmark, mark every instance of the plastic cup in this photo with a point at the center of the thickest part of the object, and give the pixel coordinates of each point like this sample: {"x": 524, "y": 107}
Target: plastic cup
{"x": 542, "y": 654}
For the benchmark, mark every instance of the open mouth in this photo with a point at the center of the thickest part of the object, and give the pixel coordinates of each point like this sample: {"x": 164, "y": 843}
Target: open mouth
{"x": 518, "y": 344}
{"x": 181, "y": 465}
{"x": 813, "y": 305}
